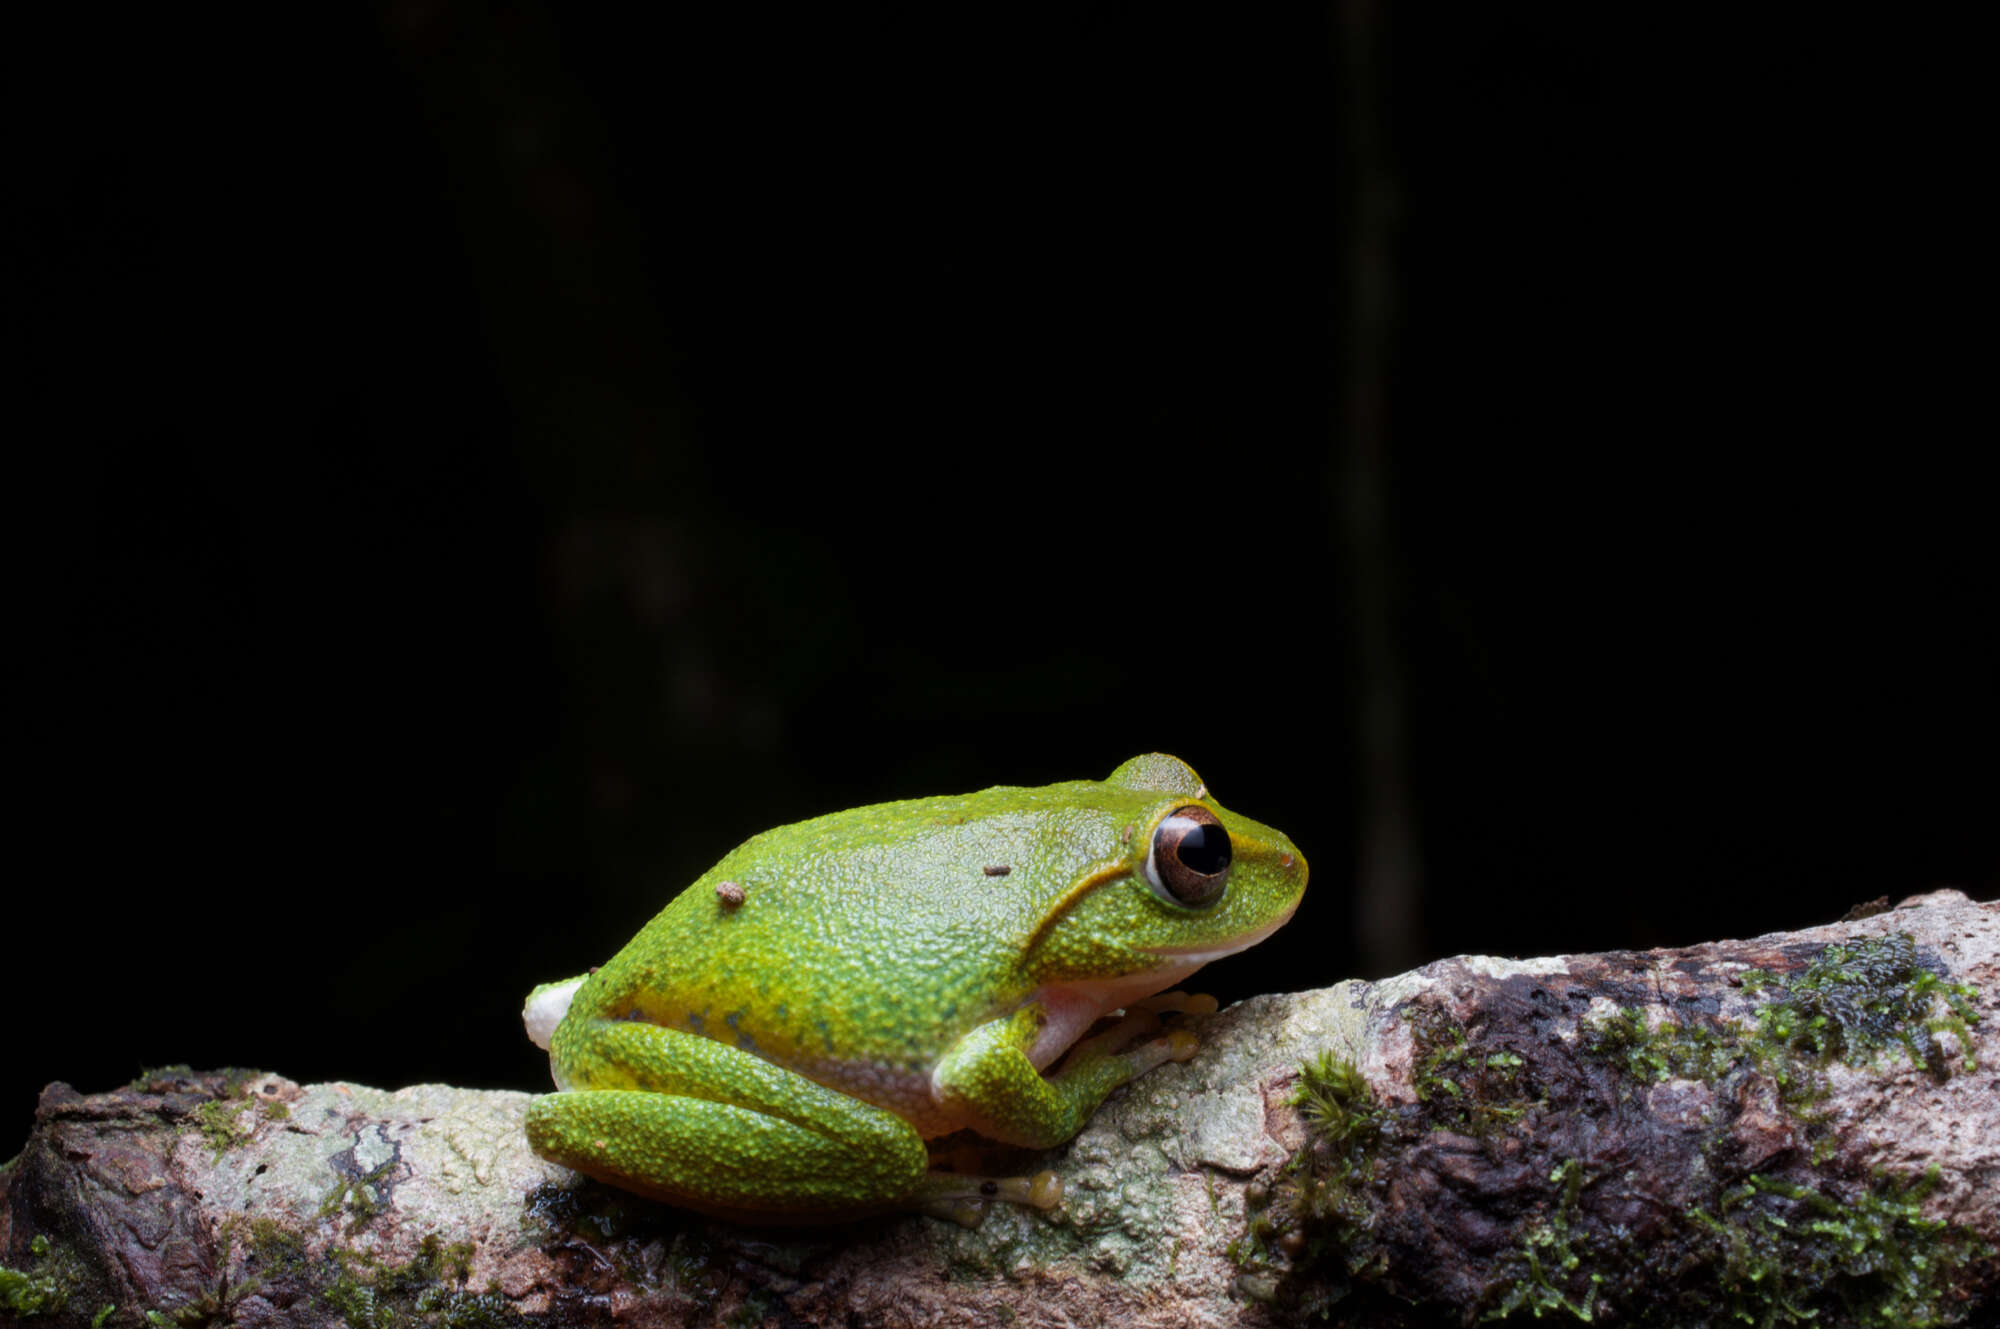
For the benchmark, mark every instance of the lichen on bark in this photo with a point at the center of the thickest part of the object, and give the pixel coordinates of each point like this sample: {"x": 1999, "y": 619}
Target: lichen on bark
{"x": 1569, "y": 1143}
{"x": 1766, "y": 1132}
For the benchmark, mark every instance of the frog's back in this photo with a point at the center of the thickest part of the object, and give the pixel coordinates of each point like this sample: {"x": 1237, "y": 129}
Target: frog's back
{"x": 877, "y": 935}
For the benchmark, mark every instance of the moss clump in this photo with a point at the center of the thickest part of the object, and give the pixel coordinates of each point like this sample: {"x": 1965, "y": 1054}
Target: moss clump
{"x": 44, "y": 1287}
{"x": 1318, "y": 1206}
{"x": 425, "y": 1292}
{"x": 1783, "y": 1254}
{"x": 216, "y": 1120}
{"x": 1792, "y": 1245}
{"x": 597, "y": 1213}
{"x": 164, "y": 1079}
{"x": 180, "y": 1078}
{"x": 1774, "y": 1253}
{"x": 1548, "y": 1258}
{"x": 219, "y": 1120}
{"x": 358, "y": 1197}
{"x": 1675, "y": 1050}
{"x": 1474, "y": 1090}
{"x": 275, "y": 1252}
{"x": 616, "y": 1223}
{"x": 1850, "y": 1002}
{"x": 1334, "y": 1098}
{"x": 1858, "y": 998}
{"x": 1778, "y": 1252}
{"x": 428, "y": 1290}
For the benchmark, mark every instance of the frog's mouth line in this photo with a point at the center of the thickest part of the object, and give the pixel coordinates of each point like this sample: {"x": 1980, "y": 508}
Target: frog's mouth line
{"x": 1202, "y": 955}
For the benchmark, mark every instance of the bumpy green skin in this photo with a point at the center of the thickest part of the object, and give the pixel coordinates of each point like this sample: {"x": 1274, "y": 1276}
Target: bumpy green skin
{"x": 878, "y": 984}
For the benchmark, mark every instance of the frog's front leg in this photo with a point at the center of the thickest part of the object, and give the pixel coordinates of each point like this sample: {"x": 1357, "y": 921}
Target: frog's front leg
{"x": 988, "y": 1081}
{"x": 695, "y": 1122}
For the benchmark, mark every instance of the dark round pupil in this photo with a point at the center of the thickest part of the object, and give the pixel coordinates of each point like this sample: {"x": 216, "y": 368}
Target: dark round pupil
{"x": 1205, "y": 849}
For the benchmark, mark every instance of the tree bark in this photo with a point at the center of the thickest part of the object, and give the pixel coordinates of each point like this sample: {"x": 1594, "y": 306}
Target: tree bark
{"x": 1801, "y": 1127}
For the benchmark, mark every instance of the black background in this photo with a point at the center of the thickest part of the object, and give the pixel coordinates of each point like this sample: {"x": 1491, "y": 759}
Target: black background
{"x": 478, "y": 464}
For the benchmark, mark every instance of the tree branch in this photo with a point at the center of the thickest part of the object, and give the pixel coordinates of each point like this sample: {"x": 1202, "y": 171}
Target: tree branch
{"x": 1805, "y": 1124}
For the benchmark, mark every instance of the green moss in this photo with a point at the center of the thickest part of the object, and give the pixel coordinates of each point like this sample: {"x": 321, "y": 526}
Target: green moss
{"x": 1784, "y": 1254}
{"x": 216, "y": 1120}
{"x": 219, "y": 1120}
{"x": 1782, "y": 1249}
{"x": 1781, "y": 1252}
{"x": 1856, "y": 999}
{"x": 425, "y": 1292}
{"x": 1466, "y": 1088}
{"x": 45, "y": 1286}
{"x": 1548, "y": 1260}
{"x": 1774, "y": 1253}
{"x": 180, "y": 1078}
{"x": 161, "y": 1079}
{"x": 1334, "y": 1098}
{"x": 1318, "y": 1205}
{"x": 357, "y": 1197}
{"x": 275, "y": 1252}
{"x": 617, "y": 1223}
{"x": 428, "y": 1290}
{"x": 1675, "y": 1050}
{"x": 597, "y": 1213}
{"x": 1850, "y": 1002}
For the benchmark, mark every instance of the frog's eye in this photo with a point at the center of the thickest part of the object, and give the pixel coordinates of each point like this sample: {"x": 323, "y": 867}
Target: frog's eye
{"x": 1189, "y": 859}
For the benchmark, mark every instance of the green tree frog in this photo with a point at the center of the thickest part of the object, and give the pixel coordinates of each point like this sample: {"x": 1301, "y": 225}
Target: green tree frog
{"x": 778, "y": 1043}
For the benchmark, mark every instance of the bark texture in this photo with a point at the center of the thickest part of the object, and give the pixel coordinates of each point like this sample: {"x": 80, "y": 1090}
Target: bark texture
{"x": 1800, "y": 1128}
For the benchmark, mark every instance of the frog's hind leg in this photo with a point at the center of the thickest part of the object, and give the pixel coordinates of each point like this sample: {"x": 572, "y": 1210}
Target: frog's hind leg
{"x": 698, "y": 1123}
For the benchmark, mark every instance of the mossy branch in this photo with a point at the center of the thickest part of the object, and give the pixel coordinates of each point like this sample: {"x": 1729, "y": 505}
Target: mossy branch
{"x": 1797, "y": 1129}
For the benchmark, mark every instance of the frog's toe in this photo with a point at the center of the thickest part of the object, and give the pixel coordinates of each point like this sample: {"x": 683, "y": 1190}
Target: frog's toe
{"x": 1180, "y": 1003}
{"x": 955, "y": 1209}
{"x": 963, "y": 1199}
{"x": 1142, "y": 1022}
{"x": 1180, "y": 1045}
{"x": 1134, "y": 1027}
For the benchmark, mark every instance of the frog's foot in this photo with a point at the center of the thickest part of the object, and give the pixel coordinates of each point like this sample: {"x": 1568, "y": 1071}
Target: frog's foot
{"x": 1142, "y": 1021}
{"x": 988, "y": 1084}
{"x": 963, "y": 1199}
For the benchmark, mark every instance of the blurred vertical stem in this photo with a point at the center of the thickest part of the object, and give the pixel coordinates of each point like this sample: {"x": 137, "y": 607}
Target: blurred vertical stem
{"x": 601, "y": 427}
{"x": 1388, "y": 906}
